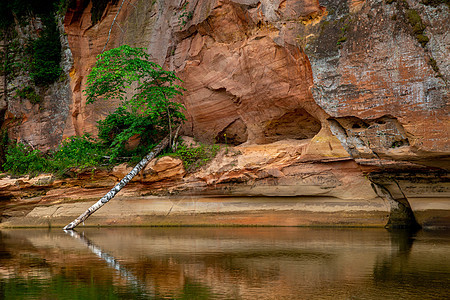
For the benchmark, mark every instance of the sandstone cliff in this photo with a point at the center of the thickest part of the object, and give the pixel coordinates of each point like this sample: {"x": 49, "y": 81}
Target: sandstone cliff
{"x": 339, "y": 99}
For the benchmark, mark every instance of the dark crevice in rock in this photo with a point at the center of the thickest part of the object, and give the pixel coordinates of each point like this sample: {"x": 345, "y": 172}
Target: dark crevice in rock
{"x": 296, "y": 124}
{"x": 234, "y": 134}
{"x": 401, "y": 214}
{"x": 397, "y": 187}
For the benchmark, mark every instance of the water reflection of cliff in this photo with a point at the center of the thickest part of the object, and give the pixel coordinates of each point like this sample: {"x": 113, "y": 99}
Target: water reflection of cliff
{"x": 232, "y": 263}
{"x": 405, "y": 264}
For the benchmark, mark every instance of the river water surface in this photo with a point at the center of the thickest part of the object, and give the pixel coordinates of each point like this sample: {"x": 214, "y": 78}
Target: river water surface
{"x": 224, "y": 263}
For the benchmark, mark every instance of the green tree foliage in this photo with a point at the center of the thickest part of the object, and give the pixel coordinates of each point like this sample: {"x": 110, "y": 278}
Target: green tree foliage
{"x": 46, "y": 55}
{"x": 44, "y": 52}
{"x": 19, "y": 9}
{"x": 146, "y": 92}
{"x": 117, "y": 126}
{"x": 4, "y": 140}
{"x": 148, "y": 113}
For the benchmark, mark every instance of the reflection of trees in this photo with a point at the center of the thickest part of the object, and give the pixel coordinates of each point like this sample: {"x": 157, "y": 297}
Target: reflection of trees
{"x": 18, "y": 257}
{"x": 233, "y": 272}
{"x": 43, "y": 272}
{"x": 142, "y": 284}
{"x": 184, "y": 264}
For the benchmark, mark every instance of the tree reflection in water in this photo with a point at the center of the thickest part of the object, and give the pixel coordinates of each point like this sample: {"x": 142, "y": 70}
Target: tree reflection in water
{"x": 112, "y": 262}
{"x": 190, "y": 289}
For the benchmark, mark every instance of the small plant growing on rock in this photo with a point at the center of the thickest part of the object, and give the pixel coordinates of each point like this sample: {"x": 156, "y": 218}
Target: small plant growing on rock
{"x": 185, "y": 16}
{"x": 344, "y": 30}
{"x": 28, "y": 92}
{"x": 196, "y": 157}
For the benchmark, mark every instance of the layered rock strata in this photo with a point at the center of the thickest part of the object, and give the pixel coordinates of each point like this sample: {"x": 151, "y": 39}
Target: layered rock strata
{"x": 340, "y": 99}
{"x": 271, "y": 184}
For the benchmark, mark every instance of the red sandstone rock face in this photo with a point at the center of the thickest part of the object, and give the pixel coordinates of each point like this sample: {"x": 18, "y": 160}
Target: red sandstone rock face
{"x": 260, "y": 88}
{"x": 239, "y": 82}
{"x": 86, "y": 42}
{"x": 262, "y": 71}
{"x": 164, "y": 168}
{"x": 249, "y": 80}
{"x": 382, "y": 70}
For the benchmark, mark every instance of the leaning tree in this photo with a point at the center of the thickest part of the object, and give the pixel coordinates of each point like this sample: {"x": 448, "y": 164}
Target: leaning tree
{"x": 146, "y": 93}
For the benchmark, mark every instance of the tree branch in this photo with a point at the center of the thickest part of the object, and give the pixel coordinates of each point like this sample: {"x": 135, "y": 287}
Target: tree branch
{"x": 110, "y": 28}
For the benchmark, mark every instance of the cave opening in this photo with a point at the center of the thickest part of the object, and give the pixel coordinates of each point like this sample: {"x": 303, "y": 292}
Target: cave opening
{"x": 297, "y": 124}
{"x": 234, "y": 134}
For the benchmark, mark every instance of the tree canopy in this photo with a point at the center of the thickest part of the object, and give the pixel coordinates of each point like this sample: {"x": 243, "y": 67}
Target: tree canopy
{"x": 145, "y": 90}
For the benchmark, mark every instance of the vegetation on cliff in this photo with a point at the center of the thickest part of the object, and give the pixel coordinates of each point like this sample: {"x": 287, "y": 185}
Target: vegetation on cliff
{"x": 75, "y": 152}
{"x": 194, "y": 157}
{"x": 40, "y": 57}
{"x": 148, "y": 115}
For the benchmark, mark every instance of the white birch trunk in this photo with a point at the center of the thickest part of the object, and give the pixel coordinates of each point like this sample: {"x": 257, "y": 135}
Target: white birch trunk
{"x": 163, "y": 144}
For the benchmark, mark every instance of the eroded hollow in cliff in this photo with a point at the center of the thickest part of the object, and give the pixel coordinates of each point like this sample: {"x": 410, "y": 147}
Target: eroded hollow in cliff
{"x": 379, "y": 134}
{"x": 297, "y": 124}
{"x": 235, "y": 133}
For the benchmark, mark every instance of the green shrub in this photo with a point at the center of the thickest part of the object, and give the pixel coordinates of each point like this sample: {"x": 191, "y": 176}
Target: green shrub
{"x": 118, "y": 127}
{"x": 196, "y": 157}
{"x": 77, "y": 152}
{"x": 74, "y": 152}
{"x": 4, "y": 141}
{"x": 22, "y": 159}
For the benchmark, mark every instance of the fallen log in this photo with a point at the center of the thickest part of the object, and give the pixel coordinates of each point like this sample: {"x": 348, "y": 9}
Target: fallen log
{"x": 161, "y": 146}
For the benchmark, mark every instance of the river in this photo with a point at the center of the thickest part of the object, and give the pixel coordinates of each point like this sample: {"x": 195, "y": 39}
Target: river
{"x": 224, "y": 263}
